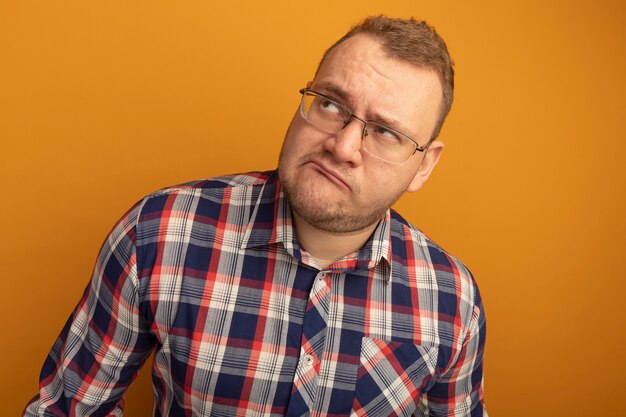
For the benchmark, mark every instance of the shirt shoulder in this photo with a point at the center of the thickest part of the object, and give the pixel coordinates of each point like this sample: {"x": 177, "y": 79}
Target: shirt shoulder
{"x": 248, "y": 179}
{"x": 443, "y": 282}
{"x": 227, "y": 189}
{"x": 416, "y": 257}
{"x": 176, "y": 216}
{"x": 418, "y": 244}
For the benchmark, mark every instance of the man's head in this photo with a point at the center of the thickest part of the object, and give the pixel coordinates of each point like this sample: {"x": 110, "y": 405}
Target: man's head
{"x": 334, "y": 182}
{"x": 413, "y": 41}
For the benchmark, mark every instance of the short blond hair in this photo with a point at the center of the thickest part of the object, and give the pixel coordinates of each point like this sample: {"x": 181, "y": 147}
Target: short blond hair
{"x": 413, "y": 41}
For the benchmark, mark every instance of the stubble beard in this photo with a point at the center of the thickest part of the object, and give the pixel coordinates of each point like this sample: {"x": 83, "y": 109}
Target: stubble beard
{"x": 328, "y": 215}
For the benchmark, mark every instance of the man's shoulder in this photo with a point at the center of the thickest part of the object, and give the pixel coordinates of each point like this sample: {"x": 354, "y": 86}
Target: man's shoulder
{"x": 213, "y": 185}
{"x": 248, "y": 179}
{"x": 238, "y": 189}
{"x": 419, "y": 261}
{"x": 417, "y": 246}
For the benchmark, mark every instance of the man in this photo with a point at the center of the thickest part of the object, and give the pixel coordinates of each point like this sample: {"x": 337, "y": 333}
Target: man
{"x": 296, "y": 292}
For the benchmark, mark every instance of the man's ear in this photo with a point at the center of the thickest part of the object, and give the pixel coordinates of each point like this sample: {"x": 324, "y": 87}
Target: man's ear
{"x": 427, "y": 165}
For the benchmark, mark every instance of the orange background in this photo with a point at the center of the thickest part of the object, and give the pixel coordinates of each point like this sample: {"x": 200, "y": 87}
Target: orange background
{"x": 103, "y": 102}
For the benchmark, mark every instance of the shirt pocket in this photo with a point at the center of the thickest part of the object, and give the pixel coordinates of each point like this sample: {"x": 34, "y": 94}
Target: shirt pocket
{"x": 391, "y": 377}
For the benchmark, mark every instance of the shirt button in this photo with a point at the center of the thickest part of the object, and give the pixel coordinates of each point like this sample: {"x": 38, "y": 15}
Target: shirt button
{"x": 308, "y": 360}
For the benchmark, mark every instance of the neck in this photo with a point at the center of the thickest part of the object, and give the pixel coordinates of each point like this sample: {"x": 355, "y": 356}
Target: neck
{"x": 327, "y": 247}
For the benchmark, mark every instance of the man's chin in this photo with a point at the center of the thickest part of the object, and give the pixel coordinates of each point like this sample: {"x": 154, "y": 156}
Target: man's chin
{"x": 326, "y": 207}
{"x": 334, "y": 219}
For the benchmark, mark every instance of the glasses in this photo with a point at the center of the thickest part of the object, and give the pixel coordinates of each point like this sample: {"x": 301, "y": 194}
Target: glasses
{"x": 379, "y": 140}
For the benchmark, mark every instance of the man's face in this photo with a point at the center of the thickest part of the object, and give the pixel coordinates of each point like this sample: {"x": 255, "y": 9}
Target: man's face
{"x": 331, "y": 182}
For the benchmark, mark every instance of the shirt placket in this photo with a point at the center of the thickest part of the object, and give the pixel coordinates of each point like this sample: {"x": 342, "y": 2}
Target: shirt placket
{"x": 306, "y": 380}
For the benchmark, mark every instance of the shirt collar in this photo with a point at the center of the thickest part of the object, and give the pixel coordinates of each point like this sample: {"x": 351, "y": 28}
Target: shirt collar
{"x": 271, "y": 223}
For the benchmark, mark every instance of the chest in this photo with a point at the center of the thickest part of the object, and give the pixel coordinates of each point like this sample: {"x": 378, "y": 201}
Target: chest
{"x": 270, "y": 336}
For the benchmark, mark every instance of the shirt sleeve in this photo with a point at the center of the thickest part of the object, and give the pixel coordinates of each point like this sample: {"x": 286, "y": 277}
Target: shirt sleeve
{"x": 459, "y": 391}
{"x": 105, "y": 341}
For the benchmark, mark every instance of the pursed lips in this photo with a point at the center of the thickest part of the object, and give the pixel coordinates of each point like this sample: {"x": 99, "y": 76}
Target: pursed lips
{"x": 330, "y": 174}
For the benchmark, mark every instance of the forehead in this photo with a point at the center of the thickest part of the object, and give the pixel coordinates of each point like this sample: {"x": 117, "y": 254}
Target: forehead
{"x": 360, "y": 72}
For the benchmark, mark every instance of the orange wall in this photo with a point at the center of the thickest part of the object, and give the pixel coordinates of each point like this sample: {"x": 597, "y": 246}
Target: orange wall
{"x": 102, "y": 102}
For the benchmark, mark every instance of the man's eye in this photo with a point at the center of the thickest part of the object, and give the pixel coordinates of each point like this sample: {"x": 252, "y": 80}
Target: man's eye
{"x": 382, "y": 133}
{"x": 330, "y": 106}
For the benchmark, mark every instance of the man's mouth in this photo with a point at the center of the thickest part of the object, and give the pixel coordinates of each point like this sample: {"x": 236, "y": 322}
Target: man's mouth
{"x": 331, "y": 174}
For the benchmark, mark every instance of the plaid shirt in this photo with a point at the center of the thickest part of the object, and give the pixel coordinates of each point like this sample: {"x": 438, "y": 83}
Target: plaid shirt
{"x": 244, "y": 323}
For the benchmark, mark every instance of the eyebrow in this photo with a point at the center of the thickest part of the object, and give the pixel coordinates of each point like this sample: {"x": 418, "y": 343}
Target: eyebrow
{"x": 332, "y": 88}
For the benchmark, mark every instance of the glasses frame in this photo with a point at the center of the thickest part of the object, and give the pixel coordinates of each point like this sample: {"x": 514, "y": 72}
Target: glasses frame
{"x": 305, "y": 91}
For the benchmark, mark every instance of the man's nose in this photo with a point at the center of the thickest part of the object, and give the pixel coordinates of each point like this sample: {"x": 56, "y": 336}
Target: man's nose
{"x": 347, "y": 143}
